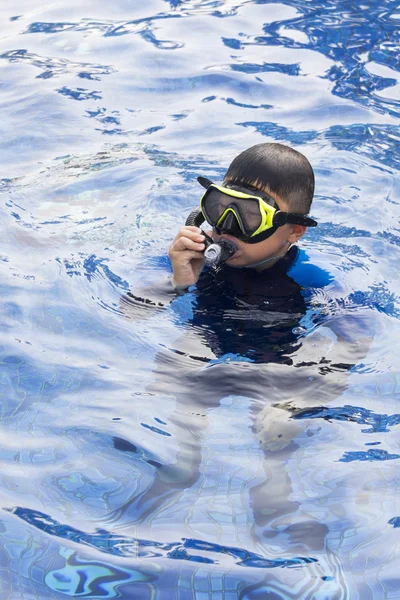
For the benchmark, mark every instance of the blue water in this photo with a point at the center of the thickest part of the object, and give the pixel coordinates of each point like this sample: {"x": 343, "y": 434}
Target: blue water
{"x": 136, "y": 460}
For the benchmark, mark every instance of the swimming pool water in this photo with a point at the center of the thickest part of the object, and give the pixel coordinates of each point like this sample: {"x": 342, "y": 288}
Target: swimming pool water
{"x": 138, "y": 459}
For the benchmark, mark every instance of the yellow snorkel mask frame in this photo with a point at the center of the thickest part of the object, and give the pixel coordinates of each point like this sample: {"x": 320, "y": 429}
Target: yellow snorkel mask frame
{"x": 244, "y": 212}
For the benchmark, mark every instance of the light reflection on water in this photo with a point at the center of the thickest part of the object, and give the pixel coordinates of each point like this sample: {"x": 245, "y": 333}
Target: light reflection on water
{"x": 138, "y": 458}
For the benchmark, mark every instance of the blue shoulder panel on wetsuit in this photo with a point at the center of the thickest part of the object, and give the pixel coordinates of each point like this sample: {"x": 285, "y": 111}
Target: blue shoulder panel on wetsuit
{"x": 308, "y": 275}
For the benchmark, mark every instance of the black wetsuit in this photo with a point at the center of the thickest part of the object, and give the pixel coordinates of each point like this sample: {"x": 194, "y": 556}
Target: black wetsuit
{"x": 249, "y": 314}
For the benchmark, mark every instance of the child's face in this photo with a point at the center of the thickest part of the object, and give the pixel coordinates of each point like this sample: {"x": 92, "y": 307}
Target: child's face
{"x": 268, "y": 250}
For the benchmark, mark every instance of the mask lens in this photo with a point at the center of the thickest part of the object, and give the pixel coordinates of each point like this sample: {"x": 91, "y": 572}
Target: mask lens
{"x": 250, "y": 214}
{"x": 215, "y": 203}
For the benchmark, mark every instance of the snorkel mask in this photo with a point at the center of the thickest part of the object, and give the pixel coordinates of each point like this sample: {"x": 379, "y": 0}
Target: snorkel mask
{"x": 246, "y": 213}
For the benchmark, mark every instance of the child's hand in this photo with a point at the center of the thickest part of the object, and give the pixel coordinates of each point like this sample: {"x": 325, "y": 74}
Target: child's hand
{"x": 187, "y": 256}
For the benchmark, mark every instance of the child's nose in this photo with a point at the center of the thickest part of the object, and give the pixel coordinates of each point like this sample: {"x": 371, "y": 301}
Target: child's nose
{"x": 230, "y": 225}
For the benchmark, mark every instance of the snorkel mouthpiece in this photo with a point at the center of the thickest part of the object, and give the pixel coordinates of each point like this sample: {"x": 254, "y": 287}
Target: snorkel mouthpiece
{"x": 215, "y": 253}
{"x": 219, "y": 252}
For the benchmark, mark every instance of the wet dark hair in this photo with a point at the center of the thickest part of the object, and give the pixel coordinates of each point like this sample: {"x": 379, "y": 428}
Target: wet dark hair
{"x": 276, "y": 168}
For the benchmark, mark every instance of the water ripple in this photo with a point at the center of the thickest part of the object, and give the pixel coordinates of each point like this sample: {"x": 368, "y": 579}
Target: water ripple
{"x": 119, "y": 545}
{"x": 54, "y": 67}
{"x": 217, "y": 458}
{"x": 378, "y": 423}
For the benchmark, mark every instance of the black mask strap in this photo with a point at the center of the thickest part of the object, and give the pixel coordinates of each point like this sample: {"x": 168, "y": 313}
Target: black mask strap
{"x": 204, "y": 182}
{"x": 281, "y": 218}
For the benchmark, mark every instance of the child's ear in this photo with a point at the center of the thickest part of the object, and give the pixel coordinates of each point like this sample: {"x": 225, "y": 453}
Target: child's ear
{"x": 297, "y": 232}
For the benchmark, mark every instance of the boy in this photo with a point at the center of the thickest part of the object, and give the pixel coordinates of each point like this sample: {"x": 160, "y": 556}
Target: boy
{"x": 284, "y": 179}
{"x": 251, "y": 306}
{"x": 246, "y": 315}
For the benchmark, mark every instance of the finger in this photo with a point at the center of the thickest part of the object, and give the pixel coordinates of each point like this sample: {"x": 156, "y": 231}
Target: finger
{"x": 190, "y": 232}
{"x": 194, "y": 255}
{"x": 185, "y": 258}
{"x": 191, "y": 228}
{"x": 185, "y": 243}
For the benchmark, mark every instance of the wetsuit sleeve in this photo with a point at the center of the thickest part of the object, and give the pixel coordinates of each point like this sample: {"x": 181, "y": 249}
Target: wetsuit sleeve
{"x": 142, "y": 303}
